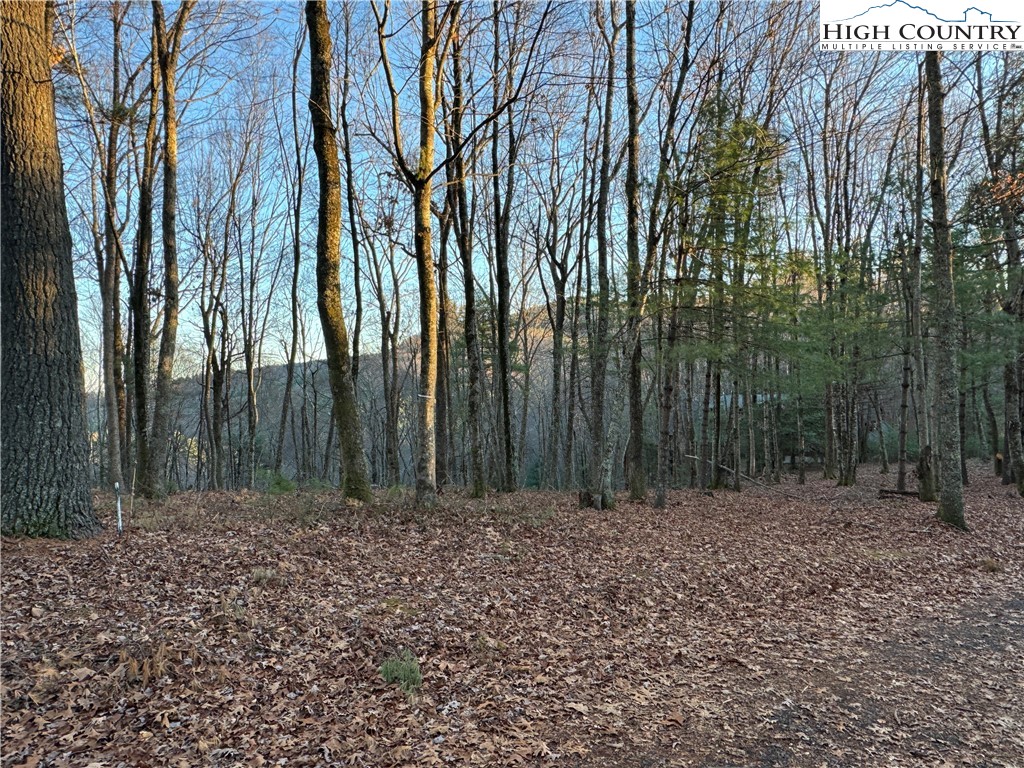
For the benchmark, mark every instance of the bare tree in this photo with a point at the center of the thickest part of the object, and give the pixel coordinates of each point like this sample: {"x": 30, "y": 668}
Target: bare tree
{"x": 600, "y": 492}
{"x": 296, "y": 187}
{"x": 951, "y": 498}
{"x": 328, "y": 251}
{"x": 999, "y": 123}
{"x": 462, "y": 222}
{"x": 115, "y": 110}
{"x": 152, "y": 478}
{"x": 141, "y": 334}
{"x": 436, "y": 39}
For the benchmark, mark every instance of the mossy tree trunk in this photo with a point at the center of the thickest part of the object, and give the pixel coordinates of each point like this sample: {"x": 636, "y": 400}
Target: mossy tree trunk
{"x": 355, "y": 482}
{"x": 419, "y": 178}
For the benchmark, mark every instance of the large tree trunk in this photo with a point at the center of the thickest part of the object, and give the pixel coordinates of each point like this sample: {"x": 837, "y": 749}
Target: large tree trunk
{"x": 44, "y": 471}
{"x": 328, "y": 255}
{"x": 951, "y": 500}
{"x": 426, "y": 474}
{"x": 419, "y": 180}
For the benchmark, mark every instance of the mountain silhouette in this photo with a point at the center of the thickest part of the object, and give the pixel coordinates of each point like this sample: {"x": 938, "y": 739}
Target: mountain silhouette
{"x": 895, "y": 4}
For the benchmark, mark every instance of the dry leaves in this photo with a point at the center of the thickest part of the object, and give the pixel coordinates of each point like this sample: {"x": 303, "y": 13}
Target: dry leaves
{"x": 744, "y": 629}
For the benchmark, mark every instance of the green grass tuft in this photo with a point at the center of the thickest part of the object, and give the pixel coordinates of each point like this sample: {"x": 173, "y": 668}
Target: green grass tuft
{"x": 402, "y": 668}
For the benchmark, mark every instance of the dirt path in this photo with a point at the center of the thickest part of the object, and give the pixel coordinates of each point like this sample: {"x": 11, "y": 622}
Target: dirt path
{"x": 950, "y": 691}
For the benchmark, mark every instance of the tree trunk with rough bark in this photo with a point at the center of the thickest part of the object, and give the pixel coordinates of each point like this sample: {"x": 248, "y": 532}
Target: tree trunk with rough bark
{"x": 926, "y": 478}
{"x": 951, "y": 500}
{"x": 44, "y": 471}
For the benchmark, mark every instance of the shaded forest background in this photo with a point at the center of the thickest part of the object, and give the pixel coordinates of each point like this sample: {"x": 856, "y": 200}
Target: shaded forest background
{"x": 679, "y": 249}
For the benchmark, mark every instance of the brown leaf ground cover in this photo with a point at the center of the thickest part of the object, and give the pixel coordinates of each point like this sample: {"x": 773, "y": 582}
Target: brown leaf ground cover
{"x": 801, "y": 626}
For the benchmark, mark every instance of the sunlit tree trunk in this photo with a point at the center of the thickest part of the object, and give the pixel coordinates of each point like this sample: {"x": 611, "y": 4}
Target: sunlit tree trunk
{"x": 420, "y": 181}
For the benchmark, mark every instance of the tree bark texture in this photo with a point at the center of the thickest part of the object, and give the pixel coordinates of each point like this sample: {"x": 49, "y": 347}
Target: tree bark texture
{"x": 426, "y": 474}
{"x": 951, "y": 500}
{"x": 45, "y": 457}
{"x": 328, "y": 256}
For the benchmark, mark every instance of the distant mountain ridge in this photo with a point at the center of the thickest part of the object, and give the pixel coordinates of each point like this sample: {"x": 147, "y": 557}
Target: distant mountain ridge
{"x": 911, "y": 7}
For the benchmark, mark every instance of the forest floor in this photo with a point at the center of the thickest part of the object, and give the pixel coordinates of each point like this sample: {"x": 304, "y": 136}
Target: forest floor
{"x": 790, "y": 626}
